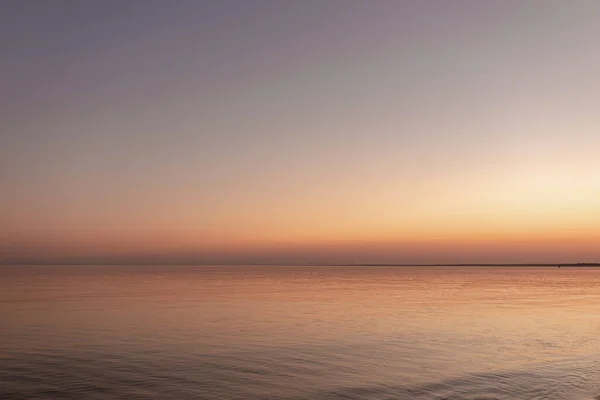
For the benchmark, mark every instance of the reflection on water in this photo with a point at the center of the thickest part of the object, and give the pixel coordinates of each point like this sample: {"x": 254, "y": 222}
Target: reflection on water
{"x": 299, "y": 333}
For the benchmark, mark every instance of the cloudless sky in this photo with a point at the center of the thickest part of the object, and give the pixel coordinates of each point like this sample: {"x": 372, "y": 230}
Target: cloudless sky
{"x": 267, "y": 131}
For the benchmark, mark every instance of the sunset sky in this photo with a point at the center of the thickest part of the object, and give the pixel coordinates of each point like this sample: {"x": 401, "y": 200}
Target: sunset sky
{"x": 301, "y": 131}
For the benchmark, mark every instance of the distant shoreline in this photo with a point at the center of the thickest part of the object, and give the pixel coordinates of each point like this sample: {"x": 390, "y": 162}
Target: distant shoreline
{"x": 471, "y": 265}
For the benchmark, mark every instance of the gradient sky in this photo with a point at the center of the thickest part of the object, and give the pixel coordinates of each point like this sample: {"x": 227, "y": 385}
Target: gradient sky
{"x": 321, "y": 131}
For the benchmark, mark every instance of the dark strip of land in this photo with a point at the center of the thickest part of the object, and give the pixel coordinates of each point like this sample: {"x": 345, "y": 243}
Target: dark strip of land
{"x": 473, "y": 265}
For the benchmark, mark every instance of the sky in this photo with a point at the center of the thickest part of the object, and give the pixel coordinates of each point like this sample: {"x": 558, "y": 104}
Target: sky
{"x": 301, "y": 131}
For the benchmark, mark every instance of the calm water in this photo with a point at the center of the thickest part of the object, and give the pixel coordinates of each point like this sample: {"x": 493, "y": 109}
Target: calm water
{"x": 299, "y": 333}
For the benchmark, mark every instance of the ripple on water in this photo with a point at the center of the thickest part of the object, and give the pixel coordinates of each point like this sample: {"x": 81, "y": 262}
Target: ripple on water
{"x": 49, "y": 377}
{"x": 294, "y": 334}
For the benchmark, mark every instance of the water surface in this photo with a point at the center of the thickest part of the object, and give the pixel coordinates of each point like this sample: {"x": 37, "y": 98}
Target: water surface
{"x": 90, "y": 332}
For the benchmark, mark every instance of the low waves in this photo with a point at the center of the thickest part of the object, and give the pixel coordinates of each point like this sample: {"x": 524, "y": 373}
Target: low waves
{"x": 54, "y": 375}
{"x": 294, "y": 334}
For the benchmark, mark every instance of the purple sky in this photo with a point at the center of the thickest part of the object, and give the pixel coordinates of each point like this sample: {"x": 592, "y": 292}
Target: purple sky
{"x": 227, "y": 129}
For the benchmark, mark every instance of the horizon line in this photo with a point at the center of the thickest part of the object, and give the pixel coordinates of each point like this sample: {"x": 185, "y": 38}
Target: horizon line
{"x": 580, "y": 264}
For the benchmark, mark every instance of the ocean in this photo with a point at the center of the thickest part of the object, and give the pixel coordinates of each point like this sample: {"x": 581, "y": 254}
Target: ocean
{"x": 331, "y": 333}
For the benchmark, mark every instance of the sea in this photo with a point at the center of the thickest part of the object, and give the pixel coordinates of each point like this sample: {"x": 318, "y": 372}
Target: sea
{"x": 292, "y": 333}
